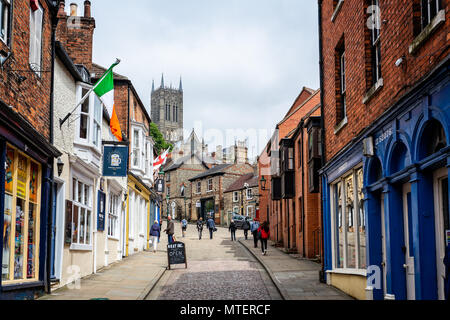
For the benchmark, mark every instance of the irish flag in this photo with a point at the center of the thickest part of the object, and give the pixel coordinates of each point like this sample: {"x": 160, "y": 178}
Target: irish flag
{"x": 104, "y": 89}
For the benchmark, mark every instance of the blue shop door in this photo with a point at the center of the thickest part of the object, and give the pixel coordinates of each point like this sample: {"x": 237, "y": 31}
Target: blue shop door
{"x": 53, "y": 231}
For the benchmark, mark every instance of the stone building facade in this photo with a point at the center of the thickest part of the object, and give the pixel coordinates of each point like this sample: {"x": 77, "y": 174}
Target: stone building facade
{"x": 177, "y": 175}
{"x": 208, "y": 190}
{"x": 167, "y": 111}
{"x": 242, "y": 197}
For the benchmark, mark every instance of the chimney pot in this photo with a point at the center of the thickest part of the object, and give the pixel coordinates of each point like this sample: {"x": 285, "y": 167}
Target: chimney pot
{"x": 87, "y": 9}
{"x": 62, "y": 7}
{"x": 73, "y": 10}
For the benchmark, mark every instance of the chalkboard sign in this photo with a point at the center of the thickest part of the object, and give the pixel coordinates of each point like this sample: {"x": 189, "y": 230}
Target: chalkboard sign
{"x": 176, "y": 253}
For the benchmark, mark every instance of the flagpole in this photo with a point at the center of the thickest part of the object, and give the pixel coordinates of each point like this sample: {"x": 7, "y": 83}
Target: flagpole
{"x": 62, "y": 121}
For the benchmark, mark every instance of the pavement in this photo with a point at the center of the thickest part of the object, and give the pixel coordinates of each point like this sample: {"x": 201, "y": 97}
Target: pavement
{"x": 129, "y": 279}
{"x": 295, "y": 278}
{"x": 218, "y": 269}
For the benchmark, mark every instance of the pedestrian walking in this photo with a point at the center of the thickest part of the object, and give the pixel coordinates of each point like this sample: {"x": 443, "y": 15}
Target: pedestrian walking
{"x": 170, "y": 230}
{"x": 254, "y": 230}
{"x": 232, "y": 229}
{"x": 246, "y": 227}
{"x": 184, "y": 224}
{"x": 155, "y": 233}
{"x": 200, "y": 228}
{"x": 264, "y": 234}
{"x": 211, "y": 226}
{"x": 160, "y": 228}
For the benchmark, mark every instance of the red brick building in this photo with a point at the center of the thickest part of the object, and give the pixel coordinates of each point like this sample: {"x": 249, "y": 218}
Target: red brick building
{"x": 385, "y": 98}
{"x": 26, "y": 151}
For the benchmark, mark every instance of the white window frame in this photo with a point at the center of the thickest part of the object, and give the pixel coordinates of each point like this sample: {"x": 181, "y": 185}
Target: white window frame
{"x": 36, "y": 31}
{"x": 252, "y": 210}
{"x": 113, "y": 216}
{"x": 249, "y": 194}
{"x": 236, "y": 196}
{"x": 428, "y": 8}
{"x": 87, "y": 206}
{"x": 210, "y": 185}
{"x": 199, "y": 187}
{"x": 5, "y": 19}
{"x": 92, "y": 122}
{"x": 236, "y": 210}
{"x": 136, "y": 149}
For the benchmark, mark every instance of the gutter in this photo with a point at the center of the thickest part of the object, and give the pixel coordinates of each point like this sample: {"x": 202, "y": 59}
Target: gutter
{"x": 322, "y": 125}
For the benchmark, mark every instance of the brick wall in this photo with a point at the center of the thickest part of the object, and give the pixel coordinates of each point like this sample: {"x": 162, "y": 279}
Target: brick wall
{"x": 31, "y": 97}
{"x": 397, "y": 33}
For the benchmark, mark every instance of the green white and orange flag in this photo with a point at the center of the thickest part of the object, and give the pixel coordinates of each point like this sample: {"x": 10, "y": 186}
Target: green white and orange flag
{"x": 104, "y": 89}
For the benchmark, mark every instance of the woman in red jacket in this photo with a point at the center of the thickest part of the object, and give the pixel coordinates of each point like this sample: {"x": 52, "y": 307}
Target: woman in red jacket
{"x": 264, "y": 234}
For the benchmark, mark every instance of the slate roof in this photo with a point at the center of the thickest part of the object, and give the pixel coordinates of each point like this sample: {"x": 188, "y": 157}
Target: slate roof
{"x": 217, "y": 170}
{"x": 249, "y": 178}
{"x": 179, "y": 162}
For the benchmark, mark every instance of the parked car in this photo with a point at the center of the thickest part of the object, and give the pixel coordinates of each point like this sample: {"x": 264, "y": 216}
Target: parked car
{"x": 239, "y": 220}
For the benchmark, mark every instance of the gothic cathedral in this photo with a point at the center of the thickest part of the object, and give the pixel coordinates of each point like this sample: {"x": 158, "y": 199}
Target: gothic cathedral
{"x": 167, "y": 111}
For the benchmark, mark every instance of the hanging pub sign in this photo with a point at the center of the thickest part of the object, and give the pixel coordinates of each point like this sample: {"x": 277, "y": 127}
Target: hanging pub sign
{"x": 160, "y": 185}
{"x": 115, "y": 161}
{"x": 101, "y": 211}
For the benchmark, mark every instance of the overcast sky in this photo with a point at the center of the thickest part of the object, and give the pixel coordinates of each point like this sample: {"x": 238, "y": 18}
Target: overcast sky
{"x": 243, "y": 62}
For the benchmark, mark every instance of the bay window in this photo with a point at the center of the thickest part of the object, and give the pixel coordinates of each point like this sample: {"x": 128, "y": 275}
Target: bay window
{"x": 21, "y": 218}
{"x": 136, "y": 149}
{"x": 82, "y": 203}
{"x": 89, "y": 124}
{"x": 349, "y": 221}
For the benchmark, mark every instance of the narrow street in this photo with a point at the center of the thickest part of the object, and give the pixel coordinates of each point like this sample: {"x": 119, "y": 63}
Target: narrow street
{"x": 218, "y": 269}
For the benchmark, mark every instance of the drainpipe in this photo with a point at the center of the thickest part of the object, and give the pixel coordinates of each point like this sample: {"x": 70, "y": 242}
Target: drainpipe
{"x": 303, "y": 192}
{"x": 50, "y": 207}
{"x": 322, "y": 125}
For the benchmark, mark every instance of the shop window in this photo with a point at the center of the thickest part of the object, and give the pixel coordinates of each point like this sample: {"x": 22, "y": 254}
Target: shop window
{"x": 81, "y": 213}
{"x": 21, "y": 218}
{"x": 113, "y": 216}
{"x": 5, "y": 18}
{"x": 349, "y": 220}
{"x": 131, "y": 213}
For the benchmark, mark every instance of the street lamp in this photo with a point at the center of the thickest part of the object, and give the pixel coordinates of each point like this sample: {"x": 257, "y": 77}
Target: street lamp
{"x": 263, "y": 183}
{"x": 167, "y": 201}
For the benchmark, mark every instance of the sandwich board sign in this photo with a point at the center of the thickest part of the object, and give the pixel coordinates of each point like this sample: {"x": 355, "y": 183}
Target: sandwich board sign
{"x": 176, "y": 254}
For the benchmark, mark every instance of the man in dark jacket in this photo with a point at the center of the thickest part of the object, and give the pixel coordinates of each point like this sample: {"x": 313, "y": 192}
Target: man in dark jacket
{"x": 200, "y": 228}
{"x": 232, "y": 229}
{"x": 246, "y": 227}
{"x": 170, "y": 230}
{"x": 211, "y": 226}
{"x": 254, "y": 229}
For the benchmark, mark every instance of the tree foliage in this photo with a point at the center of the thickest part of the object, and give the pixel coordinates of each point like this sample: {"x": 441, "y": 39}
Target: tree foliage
{"x": 160, "y": 143}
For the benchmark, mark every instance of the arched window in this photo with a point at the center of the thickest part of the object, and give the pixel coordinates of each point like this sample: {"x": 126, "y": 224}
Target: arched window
{"x": 399, "y": 159}
{"x": 432, "y": 140}
{"x": 375, "y": 171}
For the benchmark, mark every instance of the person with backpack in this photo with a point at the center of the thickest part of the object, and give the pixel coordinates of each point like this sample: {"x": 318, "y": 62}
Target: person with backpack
{"x": 246, "y": 227}
{"x": 264, "y": 234}
{"x": 254, "y": 230}
{"x": 184, "y": 224}
{"x": 232, "y": 229}
{"x": 200, "y": 228}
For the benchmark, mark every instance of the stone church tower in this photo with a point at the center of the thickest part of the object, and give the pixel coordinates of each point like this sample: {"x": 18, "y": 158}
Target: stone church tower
{"x": 167, "y": 111}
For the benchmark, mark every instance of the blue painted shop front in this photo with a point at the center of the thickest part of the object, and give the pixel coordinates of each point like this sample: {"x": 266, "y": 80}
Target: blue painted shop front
{"x": 405, "y": 194}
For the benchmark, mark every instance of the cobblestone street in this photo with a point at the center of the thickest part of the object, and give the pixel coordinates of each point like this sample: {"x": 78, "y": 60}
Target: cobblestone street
{"x": 218, "y": 269}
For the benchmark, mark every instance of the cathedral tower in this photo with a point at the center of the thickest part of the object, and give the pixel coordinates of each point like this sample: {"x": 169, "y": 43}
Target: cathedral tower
{"x": 167, "y": 111}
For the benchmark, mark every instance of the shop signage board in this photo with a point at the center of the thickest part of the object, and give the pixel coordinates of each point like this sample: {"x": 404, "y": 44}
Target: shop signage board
{"x": 115, "y": 161}
{"x": 101, "y": 211}
{"x": 176, "y": 254}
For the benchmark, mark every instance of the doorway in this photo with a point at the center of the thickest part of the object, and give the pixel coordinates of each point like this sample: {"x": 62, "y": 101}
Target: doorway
{"x": 57, "y": 231}
{"x": 441, "y": 204}
{"x": 408, "y": 248}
